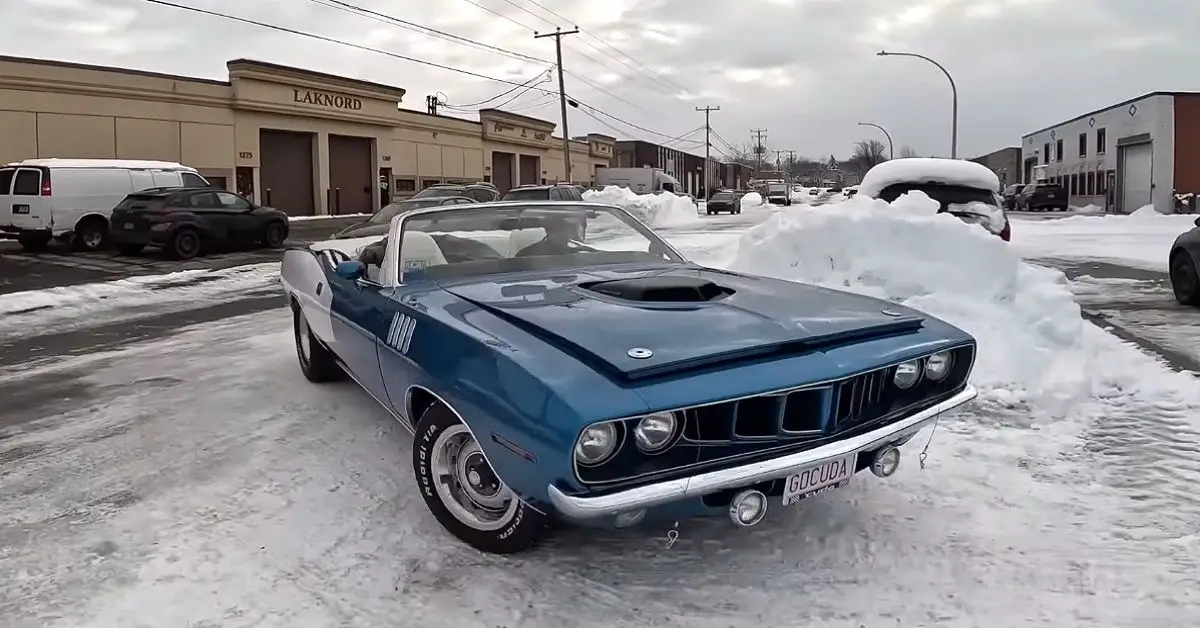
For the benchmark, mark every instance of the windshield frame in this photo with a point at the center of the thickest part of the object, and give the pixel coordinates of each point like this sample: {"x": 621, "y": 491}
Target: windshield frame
{"x": 392, "y": 275}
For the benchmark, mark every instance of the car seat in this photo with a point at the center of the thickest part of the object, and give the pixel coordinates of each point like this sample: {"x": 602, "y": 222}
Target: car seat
{"x": 418, "y": 250}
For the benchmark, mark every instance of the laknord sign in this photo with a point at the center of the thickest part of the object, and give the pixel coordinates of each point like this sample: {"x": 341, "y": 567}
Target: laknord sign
{"x": 324, "y": 99}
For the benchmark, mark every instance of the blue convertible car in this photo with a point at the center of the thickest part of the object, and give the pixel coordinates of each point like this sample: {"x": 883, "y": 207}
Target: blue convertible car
{"x": 560, "y": 361}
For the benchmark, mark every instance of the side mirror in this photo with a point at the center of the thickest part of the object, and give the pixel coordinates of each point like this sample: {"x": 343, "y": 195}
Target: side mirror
{"x": 350, "y": 270}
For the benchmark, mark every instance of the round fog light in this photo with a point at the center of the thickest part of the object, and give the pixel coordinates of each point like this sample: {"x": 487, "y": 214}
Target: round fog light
{"x": 748, "y": 508}
{"x": 626, "y": 519}
{"x": 887, "y": 460}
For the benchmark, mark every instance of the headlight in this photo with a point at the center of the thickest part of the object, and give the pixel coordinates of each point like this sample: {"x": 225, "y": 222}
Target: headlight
{"x": 907, "y": 374}
{"x": 654, "y": 432}
{"x": 937, "y": 367}
{"x": 596, "y": 444}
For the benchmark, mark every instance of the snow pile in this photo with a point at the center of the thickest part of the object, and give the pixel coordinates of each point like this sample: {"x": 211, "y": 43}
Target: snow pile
{"x": 1142, "y": 239}
{"x": 927, "y": 170}
{"x": 752, "y": 199}
{"x": 1028, "y": 326}
{"x": 657, "y": 210}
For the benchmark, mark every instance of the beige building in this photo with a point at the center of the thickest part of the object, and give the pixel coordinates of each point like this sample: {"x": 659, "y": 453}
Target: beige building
{"x": 305, "y": 142}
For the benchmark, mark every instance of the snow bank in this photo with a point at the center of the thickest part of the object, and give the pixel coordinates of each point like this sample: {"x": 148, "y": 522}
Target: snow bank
{"x": 1140, "y": 240}
{"x": 657, "y": 210}
{"x": 752, "y": 199}
{"x": 927, "y": 170}
{"x": 1028, "y": 326}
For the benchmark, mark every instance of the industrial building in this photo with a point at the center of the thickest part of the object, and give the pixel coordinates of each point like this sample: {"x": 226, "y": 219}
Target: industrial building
{"x": 687, "y": 168}
{"x": 1144, "y": 151}
{"x": 304, "y": 142}
{"x": 1006, "y": 163}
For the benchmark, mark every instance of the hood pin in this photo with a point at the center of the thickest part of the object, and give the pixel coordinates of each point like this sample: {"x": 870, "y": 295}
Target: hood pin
{"x": 639, "y": 353}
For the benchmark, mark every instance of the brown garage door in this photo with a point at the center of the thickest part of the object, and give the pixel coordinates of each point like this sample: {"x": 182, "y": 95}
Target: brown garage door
{"x": 351, "y": 175}
{"x": 287, "y": 171}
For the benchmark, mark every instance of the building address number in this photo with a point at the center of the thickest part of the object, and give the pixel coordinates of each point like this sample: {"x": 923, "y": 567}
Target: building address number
{"x": 245, "y": 155}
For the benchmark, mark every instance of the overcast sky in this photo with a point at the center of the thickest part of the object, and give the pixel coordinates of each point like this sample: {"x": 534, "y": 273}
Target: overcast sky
{"x": 805, "y": 70}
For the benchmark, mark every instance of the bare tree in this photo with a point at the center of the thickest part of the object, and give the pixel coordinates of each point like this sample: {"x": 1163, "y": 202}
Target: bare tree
{"x": 869, "y": 152}
{"x": 743, "y": 154}
{"x": 907, "y": 151}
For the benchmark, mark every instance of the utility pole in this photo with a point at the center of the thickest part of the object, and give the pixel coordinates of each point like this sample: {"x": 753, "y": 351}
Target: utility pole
{"x": 791, "y": 160}
{"x": 562, "y": 94}
{"x": 707, "y": 149}
{"x": 758, "y": 135}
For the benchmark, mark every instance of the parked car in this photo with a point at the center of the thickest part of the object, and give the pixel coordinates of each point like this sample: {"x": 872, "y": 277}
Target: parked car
{"x": 71, "y": 200}
{"x": 185, "y": 222}
{"x": 1184, "y": 260}
{"x": 724, "y": 201}
{"x": 551, "y": 379}
{"x": 557, "y": 192}
{"x": 479, "y": 192}
{"x": 377, "y": 224}
{"x": 1041, "y": 196}
{"x": 850, "y": 191}
{"x": 964, "y": 189}
{"x": 1009, "y": 195}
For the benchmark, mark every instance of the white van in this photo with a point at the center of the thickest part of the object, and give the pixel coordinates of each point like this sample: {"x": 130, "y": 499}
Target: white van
{"x": 72, "y": 199}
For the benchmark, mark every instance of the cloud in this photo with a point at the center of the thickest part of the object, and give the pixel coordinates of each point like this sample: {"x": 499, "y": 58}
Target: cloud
{"x": 803, "y": 69}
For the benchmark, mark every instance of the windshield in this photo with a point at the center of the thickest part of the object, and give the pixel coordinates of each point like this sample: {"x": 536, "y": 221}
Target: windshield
{"x": 475, "y": 241}
{"x": 537, "y": 194}
{"x": 439, "y": 192}
{"x": 392, "y": 210}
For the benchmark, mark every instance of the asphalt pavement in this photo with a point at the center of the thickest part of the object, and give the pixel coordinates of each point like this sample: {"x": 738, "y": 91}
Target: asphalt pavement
{"x": 22, "y": 270}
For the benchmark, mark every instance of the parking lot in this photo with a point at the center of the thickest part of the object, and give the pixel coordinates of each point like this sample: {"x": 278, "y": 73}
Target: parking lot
{"x": 22, "y": 270}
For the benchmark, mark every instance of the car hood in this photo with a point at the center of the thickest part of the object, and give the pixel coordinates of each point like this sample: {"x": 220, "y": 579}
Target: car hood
{"x": 646, "y": 322}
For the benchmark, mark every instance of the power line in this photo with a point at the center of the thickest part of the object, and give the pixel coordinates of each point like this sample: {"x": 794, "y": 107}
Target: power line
{"x": 541, "y": 78}
{"x": 354, "y": 9}
{"x": 640, "y": 68}
{"x": 575, "y": 102}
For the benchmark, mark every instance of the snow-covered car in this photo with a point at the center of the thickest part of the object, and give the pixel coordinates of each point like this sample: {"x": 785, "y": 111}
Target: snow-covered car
{"x": 850, "y": 191}
{"x": 547, "y": 378}
{"x": 1184, "y": 260}
{"x": 962, "y": 188}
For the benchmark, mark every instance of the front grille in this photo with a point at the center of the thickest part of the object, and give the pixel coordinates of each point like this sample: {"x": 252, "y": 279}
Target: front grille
{"x": 798, "y": 413}
{"x": 861, "y": 398}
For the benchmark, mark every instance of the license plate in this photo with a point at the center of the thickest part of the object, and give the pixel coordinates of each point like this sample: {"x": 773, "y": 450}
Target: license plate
{"x": 129, "y": 225}
{"x": 1051, "y": 195}
{"x": 21, "y": 209}
{"x": 819, "y": 478}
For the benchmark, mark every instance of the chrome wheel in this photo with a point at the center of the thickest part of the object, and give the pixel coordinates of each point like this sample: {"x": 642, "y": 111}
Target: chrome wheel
{"x": 466, "y": 484}
{"x": 304, "y": 341}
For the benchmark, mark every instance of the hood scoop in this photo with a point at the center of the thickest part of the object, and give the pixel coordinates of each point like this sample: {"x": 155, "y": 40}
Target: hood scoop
{"x": 659, "y": 289}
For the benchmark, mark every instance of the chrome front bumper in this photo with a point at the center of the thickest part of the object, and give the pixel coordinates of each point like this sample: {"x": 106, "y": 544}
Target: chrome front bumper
{"x": 584, "y": 507}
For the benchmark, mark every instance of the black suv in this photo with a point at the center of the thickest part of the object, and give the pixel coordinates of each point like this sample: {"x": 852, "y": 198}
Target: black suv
{"x": 1042, "y": 196}
{"x": 185, "y": 221}
{"x": 557, "y": 192}
{"x": 478, "y": 192}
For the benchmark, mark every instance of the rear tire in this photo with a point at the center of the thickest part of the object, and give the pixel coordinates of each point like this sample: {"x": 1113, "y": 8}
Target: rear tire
{"x": 316, "y": 360}
{"x": 1185, "y": 282}
{"x": 463, "y": 492}
{"x": 91, "y": 234}
{"x": 185, "y": 244}
{"x": 33, "y": 240}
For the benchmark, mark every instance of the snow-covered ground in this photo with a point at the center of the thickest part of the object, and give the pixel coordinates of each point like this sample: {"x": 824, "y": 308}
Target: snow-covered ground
{"x": 199, "y": 480}
{"x": 1142, "y": 239}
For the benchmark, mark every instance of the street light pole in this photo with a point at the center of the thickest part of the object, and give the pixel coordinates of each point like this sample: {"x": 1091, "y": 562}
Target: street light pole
{"x": 953, "y": 92}
{"x": 891, "y": 147}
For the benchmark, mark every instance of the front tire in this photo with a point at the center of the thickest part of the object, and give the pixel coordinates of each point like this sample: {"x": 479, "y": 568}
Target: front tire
{"x": 316, "y": 360}
{"x": 463, "y": 492}
{"x": 275, "y": 235}
{"x": 1185, "y": 281}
